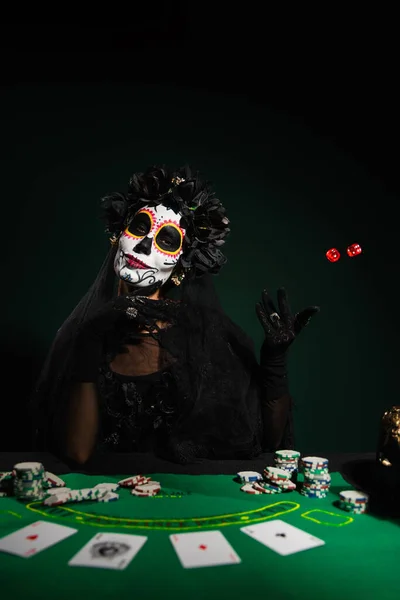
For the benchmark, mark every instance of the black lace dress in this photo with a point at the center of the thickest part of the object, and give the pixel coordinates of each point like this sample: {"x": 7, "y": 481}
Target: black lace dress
{"x": 137, "y": 410}
{"x": 193, "y": 391}
{"x": 137, "y": 413}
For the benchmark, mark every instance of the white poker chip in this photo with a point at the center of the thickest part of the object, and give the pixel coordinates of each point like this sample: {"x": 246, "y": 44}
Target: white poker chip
{"x": 153, "y": 486}
{"x": 249, "y": 489}
{"x": 55, "y": 499}
{"x": 134, "y": 480}
{"x": 135, "y": 492}
{"x": 314, "y": 460}
{"x": 111, "y": 487}
{"x": 282, "y": 463}
{"x": 276, "y": 473}
{"x": 109, "y": 497}
{"x": 287, "y": 454}
{"x": 324, "y": 478}
{"x": 257, "y": 486}
{"x": 354, "y": 496}
{"x": 54, "y": 479}
{"x": 52, "y": 491}
{"x": 282, "y": 483}
{"x": 247, "y": 476}
{"x": 29, "y": 466}
{"x": 290, "y": 486}
{"x": 81, "y": 495}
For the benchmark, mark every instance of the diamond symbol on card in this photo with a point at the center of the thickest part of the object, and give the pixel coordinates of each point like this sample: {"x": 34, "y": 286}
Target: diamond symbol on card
{"x": 32, "y": 537}
{"x": 202, "y": 547}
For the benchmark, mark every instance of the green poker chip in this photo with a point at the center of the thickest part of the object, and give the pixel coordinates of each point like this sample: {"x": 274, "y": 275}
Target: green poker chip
{"x": 287, "y": 454}
{"x": 314, "y": 471}
{"x": 28, "y": 481}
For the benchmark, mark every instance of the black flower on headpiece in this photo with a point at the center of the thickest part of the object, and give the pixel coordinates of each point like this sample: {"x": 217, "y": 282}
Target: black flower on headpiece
{"x": 183, "y": 190}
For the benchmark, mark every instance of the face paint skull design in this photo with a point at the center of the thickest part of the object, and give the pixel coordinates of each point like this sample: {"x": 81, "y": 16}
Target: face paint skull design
{"x": 150, "y": 246}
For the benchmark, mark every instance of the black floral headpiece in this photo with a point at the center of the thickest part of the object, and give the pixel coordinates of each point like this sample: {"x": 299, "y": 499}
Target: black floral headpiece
{"x": 183, "y": 190}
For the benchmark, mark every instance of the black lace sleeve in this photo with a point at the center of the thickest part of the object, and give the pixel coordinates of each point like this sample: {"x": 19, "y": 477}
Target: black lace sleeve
{"x": 277, "y": 417}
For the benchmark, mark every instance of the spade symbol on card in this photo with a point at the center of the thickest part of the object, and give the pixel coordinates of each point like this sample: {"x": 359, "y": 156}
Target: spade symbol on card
{"x": 282, "y": 538}
{"x": 32, "y": 537}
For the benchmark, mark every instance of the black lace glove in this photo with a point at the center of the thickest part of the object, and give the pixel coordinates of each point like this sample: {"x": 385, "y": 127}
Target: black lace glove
{"x": 281, "y": 329}
{"x": 126, "y": 312}
{"x": 145, "y": 313}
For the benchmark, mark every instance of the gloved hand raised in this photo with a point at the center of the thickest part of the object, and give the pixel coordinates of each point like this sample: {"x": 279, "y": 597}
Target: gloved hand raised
{"x": 281, "y": 328}
{"x": 128, "y": 312}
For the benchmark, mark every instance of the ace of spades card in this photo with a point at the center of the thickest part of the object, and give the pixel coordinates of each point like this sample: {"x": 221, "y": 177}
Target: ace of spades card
{"x": 281, "y": 537}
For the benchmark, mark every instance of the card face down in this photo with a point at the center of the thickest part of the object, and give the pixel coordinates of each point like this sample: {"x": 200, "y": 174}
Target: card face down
{"x": 109, "y": 551}
{"x": 34, "y": 538}
{"x": 203, "y": 549}
{"x": 281, "y": 537}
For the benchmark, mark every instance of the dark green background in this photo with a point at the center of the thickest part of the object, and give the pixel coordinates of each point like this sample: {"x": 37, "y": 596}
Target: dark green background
{"x": 290, "y": 196}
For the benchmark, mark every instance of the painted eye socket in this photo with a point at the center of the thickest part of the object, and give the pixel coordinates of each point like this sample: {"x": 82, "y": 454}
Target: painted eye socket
{"x": 140, "y": 225}
{"x": 169, "y": 239}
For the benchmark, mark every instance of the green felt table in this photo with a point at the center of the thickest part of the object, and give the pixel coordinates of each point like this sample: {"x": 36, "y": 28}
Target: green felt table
{"x": 359, "y": 560}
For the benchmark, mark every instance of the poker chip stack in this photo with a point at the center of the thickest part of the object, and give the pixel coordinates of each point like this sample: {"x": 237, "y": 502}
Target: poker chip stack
{"x": 109, "y": 490}
{"x": 108, "y": 497}
{"x": 53, "y": 481}
{"x": 141, "y": 485}
{"x": 56, "y": 496}
{"x": 6, "y": 484}
{"x": 273, "y": 481}
{"x": 249, "y": 476}
{"x": 288, "y": 460}
{"x": 353, "y": 501}
{"x": 102, "y": 492}
{"x": 277, "y": 481}
{"x": 317, "y": 479}
{"x": 29, "y": 481}
{"x": 251, "y": 482}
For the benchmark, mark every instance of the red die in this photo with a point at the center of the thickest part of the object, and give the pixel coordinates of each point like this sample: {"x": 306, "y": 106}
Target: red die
{"x": 354, "y": 250}
{"x": 333, "y": 255}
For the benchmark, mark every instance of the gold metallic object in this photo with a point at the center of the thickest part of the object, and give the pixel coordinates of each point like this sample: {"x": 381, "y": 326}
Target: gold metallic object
{"x": 114, "y": 240}
{"x": 388, "y": 453}
{"x": 177, "y": 180}
{"x": 178, "y": 278}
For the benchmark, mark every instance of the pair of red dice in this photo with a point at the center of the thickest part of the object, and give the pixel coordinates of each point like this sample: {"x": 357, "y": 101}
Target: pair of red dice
{"x": 333, "y": 254}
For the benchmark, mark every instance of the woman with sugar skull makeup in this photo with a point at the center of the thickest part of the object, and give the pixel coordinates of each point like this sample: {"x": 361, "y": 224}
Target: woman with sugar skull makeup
{"x": 148, "y": 361}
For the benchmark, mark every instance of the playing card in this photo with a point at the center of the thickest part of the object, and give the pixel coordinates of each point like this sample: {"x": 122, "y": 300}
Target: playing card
{"x": 281, "y": 537}
{"x": 34, "y": 538}
{"x": 109, "y": 551}
{"x": 203, "y": 549}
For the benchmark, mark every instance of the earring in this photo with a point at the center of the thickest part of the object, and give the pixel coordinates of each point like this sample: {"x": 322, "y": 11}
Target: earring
{"x": 178, "y": 278}
{"x": 114, "y": 240}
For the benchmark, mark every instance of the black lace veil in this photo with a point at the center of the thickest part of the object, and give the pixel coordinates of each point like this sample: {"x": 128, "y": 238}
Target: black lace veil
{"x": 214, "y": 365}
{"x": 47, "y": 399}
